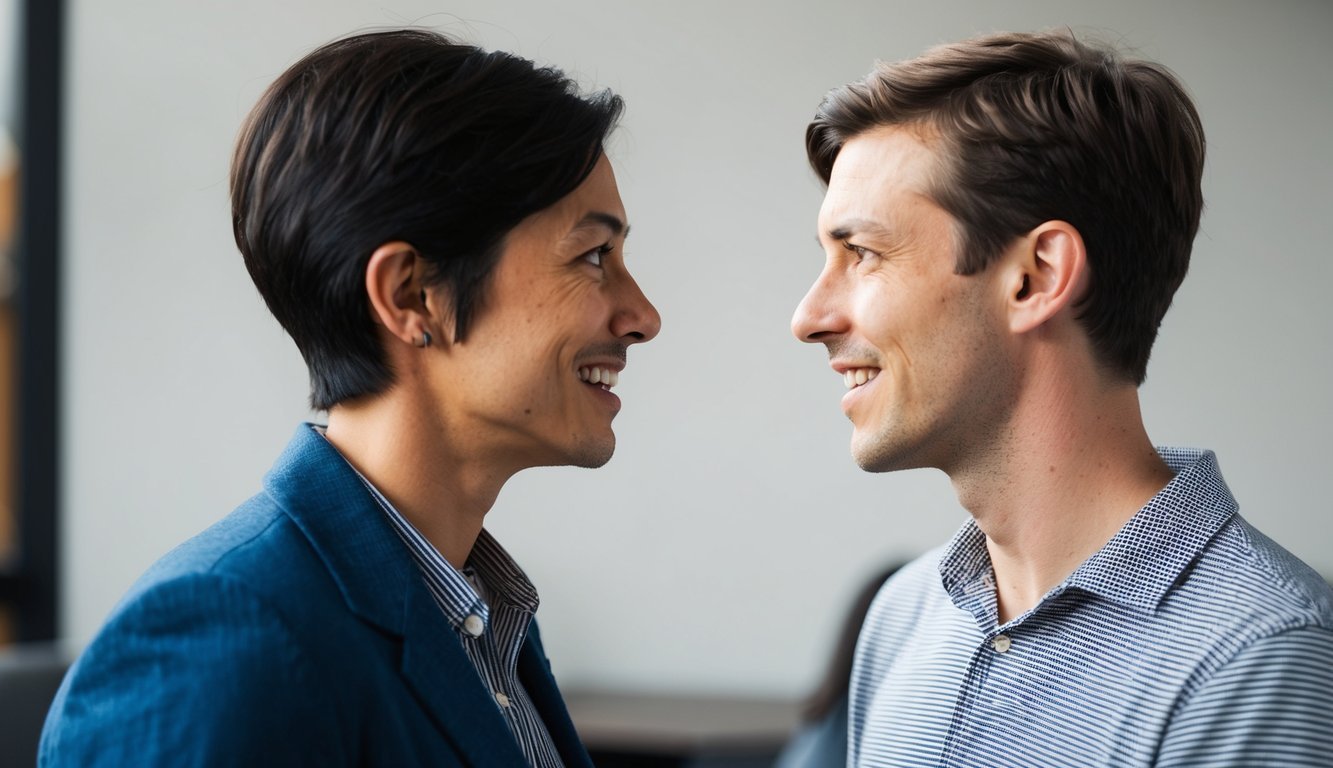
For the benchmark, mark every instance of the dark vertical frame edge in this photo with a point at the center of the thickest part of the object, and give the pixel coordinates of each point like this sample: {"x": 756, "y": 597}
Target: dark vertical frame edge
{"x": 37, "y": 502}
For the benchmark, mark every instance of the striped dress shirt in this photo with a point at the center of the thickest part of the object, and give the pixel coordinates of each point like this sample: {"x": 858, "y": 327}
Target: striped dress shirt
{"x": 1190, "y": 639}
{"x": 490, "y": 604}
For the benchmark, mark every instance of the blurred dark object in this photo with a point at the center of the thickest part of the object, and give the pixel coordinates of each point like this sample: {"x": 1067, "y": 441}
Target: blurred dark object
{"x": 29, "y": 677}
{"x": 672, "y": 731}
{"x": 821, "y": 740}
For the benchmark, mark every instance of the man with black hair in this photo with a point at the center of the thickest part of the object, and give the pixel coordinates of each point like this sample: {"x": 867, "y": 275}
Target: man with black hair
{"x": 1006, "y": 221}
{"x": 438, "y": 230}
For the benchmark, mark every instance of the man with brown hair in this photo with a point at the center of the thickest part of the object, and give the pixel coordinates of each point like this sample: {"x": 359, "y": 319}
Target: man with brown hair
{"x": 1006, "y": 222}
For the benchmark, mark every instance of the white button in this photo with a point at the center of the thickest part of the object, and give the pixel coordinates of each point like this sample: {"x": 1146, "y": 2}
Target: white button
{"x": 473, "y": 625}
{"x": 502, "y": 699}
{"x": 1001, "y": 643}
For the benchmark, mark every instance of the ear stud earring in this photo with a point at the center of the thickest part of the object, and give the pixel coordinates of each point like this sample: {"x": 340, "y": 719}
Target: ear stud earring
{"x": 424, "y": 341}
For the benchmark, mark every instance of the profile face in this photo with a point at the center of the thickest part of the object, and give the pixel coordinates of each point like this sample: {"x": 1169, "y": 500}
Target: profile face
{"x": 918, "y": 346}
{"x": 535, "y": 375}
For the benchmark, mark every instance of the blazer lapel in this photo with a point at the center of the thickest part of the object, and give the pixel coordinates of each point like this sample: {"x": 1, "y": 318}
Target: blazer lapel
{"x": 439, "y": 671}
{"x": 535, "y": 673}
{"x": 326, "y": 499}
{"x": 329, "y": 503}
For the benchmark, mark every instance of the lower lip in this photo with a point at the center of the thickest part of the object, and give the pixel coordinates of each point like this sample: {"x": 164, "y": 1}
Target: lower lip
{"x": 605, "y": 395}
{"x": 855, "y": 393}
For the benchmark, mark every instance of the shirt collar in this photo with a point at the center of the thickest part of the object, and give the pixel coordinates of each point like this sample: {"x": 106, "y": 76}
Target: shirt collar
{"x": 504, "y": 581}
{"x": 501, "y": 576}
{"x": 965, "y": 563}
{"x": 1140, "y": 564}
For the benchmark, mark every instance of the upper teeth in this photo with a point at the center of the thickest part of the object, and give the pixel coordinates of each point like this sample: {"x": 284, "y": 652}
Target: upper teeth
{"x": 604, "y": 376}
{"x": 858, "y": 376}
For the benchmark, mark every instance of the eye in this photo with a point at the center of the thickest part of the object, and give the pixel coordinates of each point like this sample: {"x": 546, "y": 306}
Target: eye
{"x": 860, "y": 252}
{"x": 594, "y": 257}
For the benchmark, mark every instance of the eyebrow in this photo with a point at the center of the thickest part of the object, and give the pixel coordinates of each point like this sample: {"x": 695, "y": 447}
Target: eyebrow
{"x": 853, "y": 226}
{"x": 608, "y": 220}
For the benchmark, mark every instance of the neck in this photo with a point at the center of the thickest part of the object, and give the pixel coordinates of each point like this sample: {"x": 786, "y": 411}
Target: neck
{"x": 1070, "y": 469}
{"x": 410, "y": 458}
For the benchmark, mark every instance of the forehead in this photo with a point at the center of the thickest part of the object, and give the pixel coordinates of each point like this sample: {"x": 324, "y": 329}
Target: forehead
{"x": 597, "y": 194}
{"x": 876, "y": 170}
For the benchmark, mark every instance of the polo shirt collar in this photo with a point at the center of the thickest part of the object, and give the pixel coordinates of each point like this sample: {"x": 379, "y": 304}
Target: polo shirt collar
{"x": 1139, "y": 565}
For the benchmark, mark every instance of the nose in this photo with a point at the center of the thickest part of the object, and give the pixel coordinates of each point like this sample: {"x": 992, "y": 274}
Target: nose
{"x": 819, "y": 316}
{"x": 635, "y": 319}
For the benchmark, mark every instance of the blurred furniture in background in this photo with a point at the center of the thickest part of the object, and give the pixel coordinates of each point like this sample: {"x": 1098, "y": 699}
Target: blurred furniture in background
{"x": 29, "y": 677}
{"x": 673, "y": 731}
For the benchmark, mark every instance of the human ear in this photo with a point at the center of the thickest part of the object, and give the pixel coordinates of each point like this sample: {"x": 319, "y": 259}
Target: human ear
{"x": 1048, "y": 271}
{"x": 399, "y": 300}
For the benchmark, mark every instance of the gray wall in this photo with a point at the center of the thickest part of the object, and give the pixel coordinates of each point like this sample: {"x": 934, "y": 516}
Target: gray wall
{"x": 718, "y": 549}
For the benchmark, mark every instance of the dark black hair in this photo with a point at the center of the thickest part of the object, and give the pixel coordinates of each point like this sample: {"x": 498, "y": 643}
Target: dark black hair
{"x": 401, "y": 135}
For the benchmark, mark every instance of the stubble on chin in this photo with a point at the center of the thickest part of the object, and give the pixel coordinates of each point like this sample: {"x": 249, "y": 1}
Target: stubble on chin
{"x": 874, "y": 453}
{"x": 592, "y": 454}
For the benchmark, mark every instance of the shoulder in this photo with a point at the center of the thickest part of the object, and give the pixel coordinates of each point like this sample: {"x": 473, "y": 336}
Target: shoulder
{"x": 1246, "y": 581}
{"x": 1261, "y": 622}
{"x": 253, "y": 571}
{"x": 256, "y": 550}
{"x": 257, "y": 524}
{"x": 197, "y": 663}
{"x": 1264, "y": 569}
{"x": 1232, "y": 574}
{"x": 213, "y": 650}
{"x": 1267, "y": 704}
{"x": 908, "y": 601}
{"x": 913, "y": 590}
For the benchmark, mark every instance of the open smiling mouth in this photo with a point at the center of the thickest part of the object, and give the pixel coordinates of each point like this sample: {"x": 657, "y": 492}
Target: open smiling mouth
{"x": 855, "y": 377}
{"x": 603, "y": 377}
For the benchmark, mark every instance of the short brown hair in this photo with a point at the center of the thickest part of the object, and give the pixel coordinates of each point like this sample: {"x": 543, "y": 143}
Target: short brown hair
{"x": 1036, "y": 127}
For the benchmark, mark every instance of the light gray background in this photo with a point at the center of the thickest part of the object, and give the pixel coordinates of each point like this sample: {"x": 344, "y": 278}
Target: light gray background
{"x": 718, "y": 549}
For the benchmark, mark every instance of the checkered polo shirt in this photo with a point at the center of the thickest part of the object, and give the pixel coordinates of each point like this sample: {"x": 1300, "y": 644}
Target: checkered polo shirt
{"x": 1190, "y": 639}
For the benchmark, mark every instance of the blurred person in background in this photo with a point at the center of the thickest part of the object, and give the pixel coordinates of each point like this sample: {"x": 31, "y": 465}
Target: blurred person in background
{"x": 821, "y": 739}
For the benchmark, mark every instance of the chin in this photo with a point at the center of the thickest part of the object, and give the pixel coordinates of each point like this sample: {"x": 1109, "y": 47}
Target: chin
{"x": 878, "y": 455}
{"x": 872, "y": 463}
{"x": 593, "y": 453}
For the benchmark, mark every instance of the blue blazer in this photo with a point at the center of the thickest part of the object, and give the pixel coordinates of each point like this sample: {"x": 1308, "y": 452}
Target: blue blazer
{"x": 297, "y": 631}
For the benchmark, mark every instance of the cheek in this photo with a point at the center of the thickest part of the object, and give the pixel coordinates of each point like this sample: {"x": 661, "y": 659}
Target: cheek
{"x": 560, "y": 325}
{"x": 879, "y": 315}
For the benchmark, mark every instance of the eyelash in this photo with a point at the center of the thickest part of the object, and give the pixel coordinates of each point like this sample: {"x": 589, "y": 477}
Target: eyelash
{"x": 599, "y": 252}
{"x": 860, "y": 252}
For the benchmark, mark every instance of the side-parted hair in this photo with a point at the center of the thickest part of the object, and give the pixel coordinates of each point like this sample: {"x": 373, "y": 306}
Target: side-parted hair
{"x": 1038, "y": 127}
{"x": 401, "y": 135}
